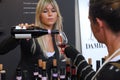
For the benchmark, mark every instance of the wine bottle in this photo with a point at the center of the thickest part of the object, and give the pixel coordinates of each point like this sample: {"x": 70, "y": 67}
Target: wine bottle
{"x": 44, "y": 72}
{"x": 18, "y": 74}
{"x": 103, "y": 60}
{"x": 73, "y": 73}
{"x": 97, "y": 64}
{"x": 25, "y": 75}
{"x": 35, "y": 72}
{"x": 54, "y": 70}
{"x": 2, "y": 73}
{"x": 40, "y": 69}
{"x": 62, "y": 70}
{"x": 68, "y": 69}
{"x": 31, "y": 32}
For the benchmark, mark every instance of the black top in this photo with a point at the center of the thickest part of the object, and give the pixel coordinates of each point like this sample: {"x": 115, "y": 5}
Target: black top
{"x": 111, "y": 71}
{"x": 28, "y": 58}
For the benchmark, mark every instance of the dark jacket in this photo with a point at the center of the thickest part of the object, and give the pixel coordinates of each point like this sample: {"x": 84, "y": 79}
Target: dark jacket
{"x": 28, "y": 58}
{"x": 111, "y": 71}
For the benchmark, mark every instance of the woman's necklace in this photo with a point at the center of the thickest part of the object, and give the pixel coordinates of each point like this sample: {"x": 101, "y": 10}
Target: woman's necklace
{"x": 116, "y": 52}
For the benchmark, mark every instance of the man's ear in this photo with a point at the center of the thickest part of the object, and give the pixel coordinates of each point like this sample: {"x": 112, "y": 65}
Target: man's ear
{"x": 99, "y": 22}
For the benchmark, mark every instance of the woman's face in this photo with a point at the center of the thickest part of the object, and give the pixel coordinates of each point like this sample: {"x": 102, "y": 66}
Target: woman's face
{"x": 48, "y": 16}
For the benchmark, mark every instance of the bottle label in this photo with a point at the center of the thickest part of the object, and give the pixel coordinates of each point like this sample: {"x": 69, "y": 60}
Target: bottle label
{"x": 19, "y": 78}
{"x": 35, "y": 73}
{"x": 68, "y": 69}
{"x": 40, "y": 76}
{"x": 19, "y": 36}
{"x": 55, "y": 75}
{"x": 62, "y": 76}
{"x": 73, "y": 71}
{"x": 44, "y": 78}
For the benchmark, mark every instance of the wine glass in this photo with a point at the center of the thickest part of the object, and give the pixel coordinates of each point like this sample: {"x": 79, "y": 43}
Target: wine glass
{"x": 61, "y": 41}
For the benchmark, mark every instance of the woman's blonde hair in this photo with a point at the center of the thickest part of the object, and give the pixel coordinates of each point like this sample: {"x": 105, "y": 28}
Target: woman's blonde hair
{"x": 39, "y": 9}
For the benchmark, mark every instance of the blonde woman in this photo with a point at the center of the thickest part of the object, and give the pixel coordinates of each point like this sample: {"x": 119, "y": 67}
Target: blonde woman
{"x": 48, "y": 17}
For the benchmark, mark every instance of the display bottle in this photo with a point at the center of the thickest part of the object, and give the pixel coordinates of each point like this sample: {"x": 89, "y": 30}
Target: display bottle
{"x": 62, "y": 73}
{"x": 35, "y": 72}
{"x": 44, "y": 72}
{"x": 18, "y": 74}
{"x": 62, "y": 70}
{"x": 25, "y": 75}
{"x": 54, "y": 70}
{"x": 97, "y": 64}
{"x": 40, "y": 69}
{"x": 31, "y": 32}
{"x": 73, "y": 73}
{"x": 68, "y": 69}
{"x": 103, "y": 60}
{"x": 2, "y": 73}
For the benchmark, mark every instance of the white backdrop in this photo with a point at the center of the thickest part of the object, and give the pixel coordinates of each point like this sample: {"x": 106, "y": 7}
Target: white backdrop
{"x": 89, "y": 46}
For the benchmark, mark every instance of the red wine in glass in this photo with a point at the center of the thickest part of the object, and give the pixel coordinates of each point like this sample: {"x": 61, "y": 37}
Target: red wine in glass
{"x": 61, "y": 40}
{"x": 62, "y": 45}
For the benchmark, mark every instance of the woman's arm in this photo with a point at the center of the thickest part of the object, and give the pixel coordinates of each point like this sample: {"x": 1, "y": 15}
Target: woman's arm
{"x": 8, "y": 44}
{"x": 83, "y": 68}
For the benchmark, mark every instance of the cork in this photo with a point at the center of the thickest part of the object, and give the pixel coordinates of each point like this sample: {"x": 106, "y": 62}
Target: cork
{"x": 40, "y": 62}
{"x": 68, "y": 61}
{"x": 1, "y": 67}
{"x": 90, "y": 61}
{"x": 54, "y": 62}
{"x": 44, "y": 65}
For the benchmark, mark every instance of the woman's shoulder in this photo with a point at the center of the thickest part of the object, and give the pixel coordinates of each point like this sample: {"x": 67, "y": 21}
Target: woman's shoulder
{"x": 116, "y": 64}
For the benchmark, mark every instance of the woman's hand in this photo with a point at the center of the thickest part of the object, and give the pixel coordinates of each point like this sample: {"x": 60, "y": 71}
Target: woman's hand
{"x": 63, "y": 48}
{"x": 26, "y": 25}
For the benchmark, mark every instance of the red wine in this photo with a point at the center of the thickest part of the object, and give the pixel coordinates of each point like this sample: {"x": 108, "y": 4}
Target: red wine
{"x": 35, "y": 72}
{"x": 44, "y": 72}
{"x": 40, "y": 69}
{"x": 68, "y": 69}
{"x": 61, "y": 45}
{"x": 2, "y": 73}
{"x": 25, "y": 75}
{"x": 18, "y": 74}
{"x": 31, "y": 32}
{"x": 62, "y": 72}
{"x": 97, "y": 64}
{"x": 54, "y": 70}
{"x": 73, "y": 73}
